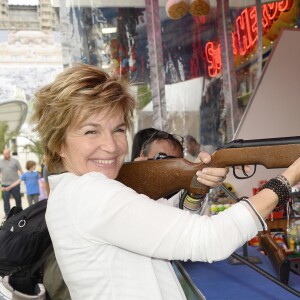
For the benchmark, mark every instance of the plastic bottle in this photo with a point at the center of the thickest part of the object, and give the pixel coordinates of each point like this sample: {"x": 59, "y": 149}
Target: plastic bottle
{"x": 291, "y": 235}
{"x": 297, "y": 245}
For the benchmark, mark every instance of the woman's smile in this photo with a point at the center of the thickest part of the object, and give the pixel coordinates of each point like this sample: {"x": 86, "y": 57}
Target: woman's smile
{"x": 104, "y": 161}
{"x": 99, "y": 144}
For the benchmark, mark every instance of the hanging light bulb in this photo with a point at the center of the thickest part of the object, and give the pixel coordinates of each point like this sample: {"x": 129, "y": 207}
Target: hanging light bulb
{"x": 176, "y": 9}
{"x": 199, "y": 7}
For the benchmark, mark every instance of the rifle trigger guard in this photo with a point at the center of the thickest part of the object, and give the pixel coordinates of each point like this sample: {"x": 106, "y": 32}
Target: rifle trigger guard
{"x": 244, "y": 172}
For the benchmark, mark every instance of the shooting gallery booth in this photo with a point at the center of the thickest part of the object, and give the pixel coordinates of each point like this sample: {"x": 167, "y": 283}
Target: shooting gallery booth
{"x": 217, "y": 70}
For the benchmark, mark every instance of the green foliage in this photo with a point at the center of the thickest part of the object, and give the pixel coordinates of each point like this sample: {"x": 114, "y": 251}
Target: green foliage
{"x": 5, "y": 136}
{"x": 35, "y": 147}
{"x": 3, "y": 131}
{"x": 144, "y": 95}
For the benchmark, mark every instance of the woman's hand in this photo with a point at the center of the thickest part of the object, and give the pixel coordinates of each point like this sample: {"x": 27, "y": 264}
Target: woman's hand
{"x": 212, "y": 177}
{"x": 292, "y": 173}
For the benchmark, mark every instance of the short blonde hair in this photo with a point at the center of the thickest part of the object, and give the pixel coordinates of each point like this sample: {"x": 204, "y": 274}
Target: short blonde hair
{"x": 77, "y": 93}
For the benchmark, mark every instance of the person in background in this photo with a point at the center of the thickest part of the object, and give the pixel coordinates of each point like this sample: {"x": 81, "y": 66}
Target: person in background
{"x": 43, "y": 194}
{"x": 139, "y": 139}
{"x": 97, "y": 223}
{"x": 162, "y": 145}
{"x": 163, "y": 142}
{"x": 10, "y": 169}
{"x": 46, "y": 180}
{"x": 165, "y": 145}
{"x": 31, "y": 179}
{"x": 191, "y": 146}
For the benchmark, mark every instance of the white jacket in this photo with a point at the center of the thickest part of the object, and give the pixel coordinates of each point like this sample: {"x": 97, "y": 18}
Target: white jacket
{"x": 112, "y": 243}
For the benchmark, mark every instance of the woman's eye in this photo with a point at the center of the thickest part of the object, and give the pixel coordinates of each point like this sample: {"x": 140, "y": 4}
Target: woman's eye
{"x": 90, "y": 132}
{"x": 121, "y": 130}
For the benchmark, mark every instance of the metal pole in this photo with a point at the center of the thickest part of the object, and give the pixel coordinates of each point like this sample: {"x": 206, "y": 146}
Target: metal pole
{"x": 228, "y": 70}
{"x": 157, "y": 73}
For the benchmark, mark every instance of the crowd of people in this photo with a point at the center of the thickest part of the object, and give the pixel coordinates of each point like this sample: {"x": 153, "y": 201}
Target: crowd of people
{"x": 109, "y": 241}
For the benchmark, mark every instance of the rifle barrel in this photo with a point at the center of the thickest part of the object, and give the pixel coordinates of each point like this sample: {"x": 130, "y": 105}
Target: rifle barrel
{"x": 159, "y": 178}
{"x": 240, "y": 143}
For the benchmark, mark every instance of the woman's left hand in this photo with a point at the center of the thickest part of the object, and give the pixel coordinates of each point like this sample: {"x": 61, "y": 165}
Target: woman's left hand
{"x": 209, "y": 176}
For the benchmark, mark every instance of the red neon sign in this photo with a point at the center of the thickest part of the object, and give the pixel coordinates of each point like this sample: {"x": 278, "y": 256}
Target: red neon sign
{"x": 213, "y": 56}
{"x": 246, "y": 25}
{"x": 245, "y": 37}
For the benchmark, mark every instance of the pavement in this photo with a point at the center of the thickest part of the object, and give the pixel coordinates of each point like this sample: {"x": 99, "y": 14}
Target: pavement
{"x": 12, "y": 203}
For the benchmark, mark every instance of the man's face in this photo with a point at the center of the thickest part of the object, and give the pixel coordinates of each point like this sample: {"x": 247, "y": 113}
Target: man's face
{"x": 164, "y": 146}
{"x": 6, "y": 154}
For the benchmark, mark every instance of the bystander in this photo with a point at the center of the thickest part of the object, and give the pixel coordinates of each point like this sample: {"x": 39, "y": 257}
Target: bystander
{"x": 191, "y": 146}
{"x": 162, "y": 142}
{"x": 31, "y": 179}
{"x": 10, "y": 169}
{"x": 139, "y": 139}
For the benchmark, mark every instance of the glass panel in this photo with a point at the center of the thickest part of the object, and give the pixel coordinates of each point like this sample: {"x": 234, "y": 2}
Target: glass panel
{"x": 275, "y": 15}
{"x": 113, "y": 36}
{"x": 186, "y": 70}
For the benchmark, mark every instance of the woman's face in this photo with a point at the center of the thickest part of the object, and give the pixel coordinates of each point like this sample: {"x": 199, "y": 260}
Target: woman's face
{"x": 99, "y": 144}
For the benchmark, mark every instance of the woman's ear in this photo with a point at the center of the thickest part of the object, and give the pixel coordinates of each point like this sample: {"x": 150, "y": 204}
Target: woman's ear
{"x": 62, "y": 151}
{"x": 142, "y": 154}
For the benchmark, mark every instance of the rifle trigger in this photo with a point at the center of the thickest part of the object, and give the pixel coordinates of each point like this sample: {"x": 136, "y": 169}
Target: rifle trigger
{"x": 244, "y": 172}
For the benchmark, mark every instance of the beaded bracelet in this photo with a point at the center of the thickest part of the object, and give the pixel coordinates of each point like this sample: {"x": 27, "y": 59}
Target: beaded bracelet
{"x": 285, "y": 181}
{"x": 282, "y": 188}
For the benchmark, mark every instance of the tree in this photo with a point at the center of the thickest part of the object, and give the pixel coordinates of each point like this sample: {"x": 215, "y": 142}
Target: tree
{"x": 5, "y": 136}
{"x": 35, "y": 147}
{"x": 3, "y": 130}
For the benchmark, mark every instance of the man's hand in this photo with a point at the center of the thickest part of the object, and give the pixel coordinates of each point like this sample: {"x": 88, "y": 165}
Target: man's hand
{"x": 5, "y": 189}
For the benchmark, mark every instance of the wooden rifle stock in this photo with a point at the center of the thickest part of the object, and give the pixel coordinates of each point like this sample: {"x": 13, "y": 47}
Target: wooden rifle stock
{"x": 158, "y": 178}
{"x": 276, "y": 254}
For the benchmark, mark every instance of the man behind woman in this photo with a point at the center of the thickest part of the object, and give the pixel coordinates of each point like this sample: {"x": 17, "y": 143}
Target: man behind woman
{"x": 149, "y": 142}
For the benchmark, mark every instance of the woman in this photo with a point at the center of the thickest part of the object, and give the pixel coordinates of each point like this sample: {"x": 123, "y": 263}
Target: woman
{"x": 110, "y": 242}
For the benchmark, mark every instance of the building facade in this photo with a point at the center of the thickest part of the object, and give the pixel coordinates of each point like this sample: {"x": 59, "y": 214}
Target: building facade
{"x": 28, "y": 17}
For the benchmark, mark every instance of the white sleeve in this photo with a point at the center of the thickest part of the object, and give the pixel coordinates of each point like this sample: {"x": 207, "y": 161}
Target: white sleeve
{"x": 259, "y": 221}
{"x": 173, "y": 201}
{"x": 117, "y": 215}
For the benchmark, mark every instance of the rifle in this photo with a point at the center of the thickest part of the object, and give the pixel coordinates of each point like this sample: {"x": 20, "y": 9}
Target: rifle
{"x": 158, "y": 178}
{"x": 276, "y": 254}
